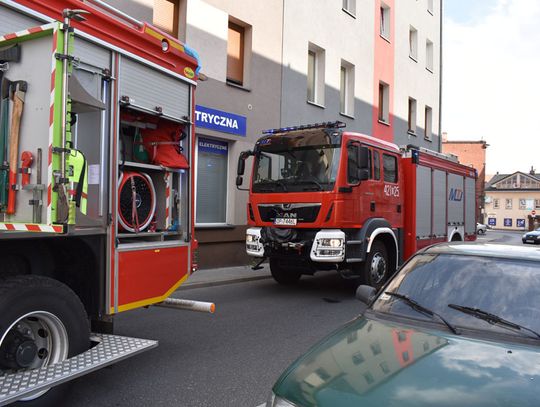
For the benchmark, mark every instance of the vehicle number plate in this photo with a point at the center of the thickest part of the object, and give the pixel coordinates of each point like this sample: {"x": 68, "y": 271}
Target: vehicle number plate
{"x": 530, "y": 240}
{"x": 285, "y": 221}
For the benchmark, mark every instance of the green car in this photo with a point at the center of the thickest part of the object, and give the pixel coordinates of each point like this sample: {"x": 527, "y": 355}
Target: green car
{"x": 458, "y": 325}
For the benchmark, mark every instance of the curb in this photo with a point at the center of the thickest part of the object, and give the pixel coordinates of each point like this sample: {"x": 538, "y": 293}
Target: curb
{"x": 215, "y": 283}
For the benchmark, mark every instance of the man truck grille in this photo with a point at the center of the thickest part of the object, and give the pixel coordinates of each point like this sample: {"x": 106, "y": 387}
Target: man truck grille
{"x": 303, "y": 213}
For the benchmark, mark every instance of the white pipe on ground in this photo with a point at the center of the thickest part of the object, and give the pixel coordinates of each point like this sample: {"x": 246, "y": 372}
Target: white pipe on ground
{"x": 189, "y": 305}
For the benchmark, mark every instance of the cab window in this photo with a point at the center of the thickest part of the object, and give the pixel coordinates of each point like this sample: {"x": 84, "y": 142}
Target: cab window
{"x": 390, "y": 168}
{"x": 376, "y": 166}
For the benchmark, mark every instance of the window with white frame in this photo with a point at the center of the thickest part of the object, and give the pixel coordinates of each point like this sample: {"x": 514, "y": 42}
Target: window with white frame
{"x": 430, "y": 6}
{"x": 412, "y": 117}
{"x": 522, "y": 204}
{"x": 315, "y": 74}
{"x": 385, "y": 21}
{"x": 413, "y": 43}
{"x": 429, "y": 55}
{"x": 496, "y": 203}
{"x": 349, "y": 6}
{"x": 508, "y": 203}
{"x": 384, "y": 102}
{"x": 428, "y": 123}
{"x": 212, "y": 167}
{"x": 346, "y": 88}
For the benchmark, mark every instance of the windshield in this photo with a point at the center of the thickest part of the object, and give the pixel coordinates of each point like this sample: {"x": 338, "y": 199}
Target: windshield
{"x": 303, "y": 168}
{"x": 508, "y": 288}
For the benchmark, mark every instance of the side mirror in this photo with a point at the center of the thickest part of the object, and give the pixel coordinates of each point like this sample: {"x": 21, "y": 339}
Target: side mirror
{"x": 239, "y": 180}
{"x": 241, "y": 164}
{"x": 365, "y": 293}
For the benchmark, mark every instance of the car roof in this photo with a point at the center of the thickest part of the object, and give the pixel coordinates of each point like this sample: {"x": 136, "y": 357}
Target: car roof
{"x": 504, "y": 251}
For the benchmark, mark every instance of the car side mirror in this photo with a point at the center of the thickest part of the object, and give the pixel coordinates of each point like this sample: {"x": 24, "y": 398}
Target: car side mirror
{"x": 365, "y": 293}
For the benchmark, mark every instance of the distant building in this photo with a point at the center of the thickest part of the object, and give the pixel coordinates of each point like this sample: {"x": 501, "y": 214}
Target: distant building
{"x": 471, "y": 153}
{"x": 513, "y": 201}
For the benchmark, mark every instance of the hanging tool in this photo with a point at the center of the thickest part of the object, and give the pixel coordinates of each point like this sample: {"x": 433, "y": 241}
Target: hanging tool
{"x": 7, "y": 54}
{"x": 20, "y": 88}
{"x": 27, "y": 159}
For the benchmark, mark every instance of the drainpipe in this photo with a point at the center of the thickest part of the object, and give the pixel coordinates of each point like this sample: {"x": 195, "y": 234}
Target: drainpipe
{"x": 440, "y": 72}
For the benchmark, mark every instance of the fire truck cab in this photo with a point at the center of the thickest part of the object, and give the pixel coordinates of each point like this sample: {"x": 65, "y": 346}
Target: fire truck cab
{"x": 323, "y": 198}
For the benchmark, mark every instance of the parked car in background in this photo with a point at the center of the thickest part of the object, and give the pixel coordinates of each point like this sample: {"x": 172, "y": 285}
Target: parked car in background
{"x": 458, "y": 324}
{"x": 481, "y": 228}
{"x": 532, "y": 237}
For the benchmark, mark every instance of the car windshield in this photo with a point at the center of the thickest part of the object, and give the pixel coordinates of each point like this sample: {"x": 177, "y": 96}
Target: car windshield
{"x": 302, "y": 168}
{"x": 507, "y": 288}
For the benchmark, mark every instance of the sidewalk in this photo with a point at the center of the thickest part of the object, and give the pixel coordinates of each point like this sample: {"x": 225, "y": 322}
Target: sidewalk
{"x": 225, "y": 275}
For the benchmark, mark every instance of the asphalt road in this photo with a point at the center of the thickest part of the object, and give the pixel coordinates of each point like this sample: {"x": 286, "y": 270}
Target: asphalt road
{"x": 231, "y": 358}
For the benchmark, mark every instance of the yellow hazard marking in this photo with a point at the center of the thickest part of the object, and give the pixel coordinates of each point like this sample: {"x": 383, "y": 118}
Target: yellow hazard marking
{"x": 161, "y": 37}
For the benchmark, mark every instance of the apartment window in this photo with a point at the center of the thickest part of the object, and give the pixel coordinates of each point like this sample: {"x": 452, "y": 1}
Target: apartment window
{"x": 346, "y": 89}
{"x": 429, "y": 55}
{"x": 390, "y": 168}
{"x": 522, "y": 204}
{"x": 496, "y": 203}
{"x": 537, "y": 203}
{"x": 430, "y": 6}
{"x": 428, "y": 123}
{"x": 165, "y": 16}
{"x": 385, "y": 21}
{"x": 212, "y": 166}
{"x": 384, "y": 102}
{"x": 412, "y": 116}
{"x": 508, "y": 203}
{"x": 349, "y": 6}
{"x": 235, "y": 54}
{"x": 315, "y": 75}
{"x": 413, "y": 43}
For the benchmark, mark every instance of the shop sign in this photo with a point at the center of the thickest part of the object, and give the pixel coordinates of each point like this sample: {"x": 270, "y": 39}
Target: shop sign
{"x": 213, "y": 146}
{"x": 218, "y": 120}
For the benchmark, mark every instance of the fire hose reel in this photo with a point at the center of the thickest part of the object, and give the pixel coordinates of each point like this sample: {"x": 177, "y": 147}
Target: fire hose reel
{"x": 136, "y": 201}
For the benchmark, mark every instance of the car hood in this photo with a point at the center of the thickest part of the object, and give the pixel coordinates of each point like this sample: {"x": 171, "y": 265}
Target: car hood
{"x": 533, "y": 233}
{"x": 373, "y": 363}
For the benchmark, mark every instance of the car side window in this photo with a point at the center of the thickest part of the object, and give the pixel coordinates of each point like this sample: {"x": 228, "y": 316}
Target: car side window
{"x": 390, "y": 168}
{"x": 376, "y": 166}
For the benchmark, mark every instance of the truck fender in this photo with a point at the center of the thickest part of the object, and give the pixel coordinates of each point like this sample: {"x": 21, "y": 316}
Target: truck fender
{"x": 367, "y": 234}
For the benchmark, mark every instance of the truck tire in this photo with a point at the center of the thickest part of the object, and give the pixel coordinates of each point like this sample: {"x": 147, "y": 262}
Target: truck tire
{"x": 376, "y": 266}
{"x": 283, "y": 275}
{"x": 42, "y": 321}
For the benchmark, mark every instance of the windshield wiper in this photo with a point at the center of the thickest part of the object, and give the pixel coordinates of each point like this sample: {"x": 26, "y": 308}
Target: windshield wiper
{"x": 423, "y": 310}
{"x": 273, "y": 184}
{"x": 491, "y": 318}
{"x": 311, "y": 181}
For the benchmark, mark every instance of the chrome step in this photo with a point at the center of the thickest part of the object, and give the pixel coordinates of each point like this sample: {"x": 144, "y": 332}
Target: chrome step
{"x": 110, "y": 349}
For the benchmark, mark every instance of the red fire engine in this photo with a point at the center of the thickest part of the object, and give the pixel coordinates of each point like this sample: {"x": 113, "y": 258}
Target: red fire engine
{"x": 322, "y": 198}
{"x": 96, "y": 186}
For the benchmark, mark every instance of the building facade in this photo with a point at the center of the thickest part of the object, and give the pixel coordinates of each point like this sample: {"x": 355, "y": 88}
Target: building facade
{"x": 513, "y": 201}
{"x": 471, "y": 153}
{"x": 372, "y": 64}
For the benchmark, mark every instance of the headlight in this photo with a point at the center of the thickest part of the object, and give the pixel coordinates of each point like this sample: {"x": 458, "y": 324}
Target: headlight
{"x": 331, "y": 242}
{"x": 276, "y": 401}
{"x": 251, "y": 238}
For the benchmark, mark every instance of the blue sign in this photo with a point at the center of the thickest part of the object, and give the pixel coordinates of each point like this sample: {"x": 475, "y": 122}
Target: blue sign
{"x": 220, "y": 121}
{"x": 520, "y": 223}
{"x": 207, "y": 145}
{"x": 508, "y": 222}
{"x": 492, "y": 221}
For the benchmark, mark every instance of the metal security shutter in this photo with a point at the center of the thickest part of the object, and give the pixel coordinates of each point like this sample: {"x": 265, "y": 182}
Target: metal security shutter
{"x": 149, "y": 88}
{"x": 423, "y": 202}
{"x": 455, "y": 199}
{"x": 12, "y": 21}
{"x": 470, "y": 205}
{"x": 92, "y": 59}
{"x": 439, "y": 203}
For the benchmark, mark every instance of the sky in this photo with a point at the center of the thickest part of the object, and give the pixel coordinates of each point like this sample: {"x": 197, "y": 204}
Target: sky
{"x": 491, "y": 85}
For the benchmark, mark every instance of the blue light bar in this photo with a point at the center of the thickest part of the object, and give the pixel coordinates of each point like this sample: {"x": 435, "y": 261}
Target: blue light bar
{"x": 324, "y": 125}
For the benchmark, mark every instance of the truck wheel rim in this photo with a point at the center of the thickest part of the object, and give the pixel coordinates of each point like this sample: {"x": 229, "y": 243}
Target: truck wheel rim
{"x": 45, "y": 342}
{"x": 378, "y": 268}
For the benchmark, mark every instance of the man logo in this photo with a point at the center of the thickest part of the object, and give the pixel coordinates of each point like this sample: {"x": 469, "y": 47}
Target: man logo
{"x": 455, "y": 195}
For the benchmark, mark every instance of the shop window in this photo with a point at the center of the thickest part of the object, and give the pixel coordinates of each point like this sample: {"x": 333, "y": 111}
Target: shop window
{"x": 212, "y": 168}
